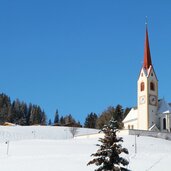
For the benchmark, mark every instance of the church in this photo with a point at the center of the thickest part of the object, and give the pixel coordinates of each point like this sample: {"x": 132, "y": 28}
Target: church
{"x": 151, "y": 113}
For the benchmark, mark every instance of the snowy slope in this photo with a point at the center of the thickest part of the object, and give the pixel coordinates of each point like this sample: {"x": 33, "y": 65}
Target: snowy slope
{"x": 61, "y": 154}
{"x": 152, "y": 154}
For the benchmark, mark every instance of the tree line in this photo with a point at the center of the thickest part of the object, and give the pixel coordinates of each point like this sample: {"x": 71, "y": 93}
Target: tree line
{"x": 117, "y": 113}
{"x": 67, "y": 120}
{"x": 93, "y": 120}
{"x": 20, "y": 113}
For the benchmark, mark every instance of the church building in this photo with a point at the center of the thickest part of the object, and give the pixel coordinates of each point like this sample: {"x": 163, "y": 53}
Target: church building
{"x": 151, "y": 112}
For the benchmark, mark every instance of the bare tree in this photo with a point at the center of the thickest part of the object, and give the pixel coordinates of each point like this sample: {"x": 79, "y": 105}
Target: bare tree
{"x": 73, "y": 131}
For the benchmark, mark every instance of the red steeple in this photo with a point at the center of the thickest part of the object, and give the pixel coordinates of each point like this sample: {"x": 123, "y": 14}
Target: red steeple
{"x": 147, "y": 56}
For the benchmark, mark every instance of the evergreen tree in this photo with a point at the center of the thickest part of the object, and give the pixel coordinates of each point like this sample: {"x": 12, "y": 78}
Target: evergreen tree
{"x": 35, "y": 116}
{"x": 56, "y": 120}
{"x": 69, "y": 120}
{"x": 50, "y": 122}
{"x": 90, "y": 121}
{"x": 105, "y": 117}
{"x": 22, "y": 113}
{"x": 62, "y": 121}
{"x": 107, "y": 157}
{"x": 5, "y": 108}
{"x": 43, "y": 118}
{"x": 32, "y": 116}
{"x": 118, "y": 116}
{"x": 78, "y": 124}
{"x": 29, "y": 114}
{"x": 15, "y": 110}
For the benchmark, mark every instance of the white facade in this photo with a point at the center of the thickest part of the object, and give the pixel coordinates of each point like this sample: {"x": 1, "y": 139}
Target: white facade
{"x": 130, "y": 122}
{"x": 164, "y": 116}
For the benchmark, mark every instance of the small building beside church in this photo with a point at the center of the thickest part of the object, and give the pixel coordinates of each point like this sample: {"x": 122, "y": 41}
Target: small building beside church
{"x": 151, "y": 112}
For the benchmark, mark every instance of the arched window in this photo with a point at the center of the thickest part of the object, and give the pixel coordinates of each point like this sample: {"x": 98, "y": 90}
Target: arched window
{"x": 128, "y": 126}
{"x": 142, "y": 86}
{"x": 164, "y": 123}
{"x": 152, "y": 86}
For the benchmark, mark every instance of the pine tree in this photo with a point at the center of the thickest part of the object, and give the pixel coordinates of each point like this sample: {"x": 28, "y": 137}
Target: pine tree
{"x": 56, "y": 120}
{"x": 118, "y": 116}
{"x": 62, "y": 121}
{"x": 5, "y": 108}
{"x": 90, "y": 121}
{"x": 105, "y": 117}
{"x": 107, "y": 156}
{"x": 50, "y": 122}
{"x": 43, "y": 118}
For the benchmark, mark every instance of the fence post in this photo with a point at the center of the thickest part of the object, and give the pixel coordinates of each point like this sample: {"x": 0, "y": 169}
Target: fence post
{"x": 7, "y": 142}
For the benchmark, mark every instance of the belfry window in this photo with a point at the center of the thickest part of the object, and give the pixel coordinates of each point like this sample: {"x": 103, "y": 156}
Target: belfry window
{"x": 142, "y": 86}
{"x": 152, "y": 86}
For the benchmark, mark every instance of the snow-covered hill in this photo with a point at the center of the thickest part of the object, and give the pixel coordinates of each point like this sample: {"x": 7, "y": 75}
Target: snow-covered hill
{"x": 52, "y": 148}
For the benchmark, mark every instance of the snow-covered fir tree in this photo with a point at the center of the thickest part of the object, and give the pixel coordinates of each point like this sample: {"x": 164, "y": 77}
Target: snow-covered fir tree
{"x": 107, "y": 157}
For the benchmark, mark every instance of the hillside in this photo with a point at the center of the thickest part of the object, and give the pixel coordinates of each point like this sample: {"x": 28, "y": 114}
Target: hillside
{"x": 52, "y": 148}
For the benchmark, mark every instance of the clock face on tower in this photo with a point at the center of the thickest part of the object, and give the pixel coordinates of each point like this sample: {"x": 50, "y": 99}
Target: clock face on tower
{"x": 153, "y": 100}
{"x": 142, "y": 99}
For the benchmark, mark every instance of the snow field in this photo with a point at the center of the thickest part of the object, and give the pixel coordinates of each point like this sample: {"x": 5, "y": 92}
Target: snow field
{"x": 52, "y": 148}
{"x": 46, "y": 155}
{"x": 152, "y": 153}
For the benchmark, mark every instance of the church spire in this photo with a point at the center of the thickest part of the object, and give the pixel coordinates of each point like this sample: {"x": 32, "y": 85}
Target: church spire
{"x": 147, "y": 56}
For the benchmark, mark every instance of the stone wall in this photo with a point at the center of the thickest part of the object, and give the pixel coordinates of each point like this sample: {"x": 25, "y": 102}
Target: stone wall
{"x": 163, "y": 135}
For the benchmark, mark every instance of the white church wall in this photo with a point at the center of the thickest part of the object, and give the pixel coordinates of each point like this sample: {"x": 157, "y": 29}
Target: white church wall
{"x": 170, "y": 123}
{"x": 131, "y": 124}
{"x": 165, "y": 122}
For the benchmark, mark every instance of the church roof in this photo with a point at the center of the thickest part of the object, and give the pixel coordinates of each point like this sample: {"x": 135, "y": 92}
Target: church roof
{"x": 132, "y": 115}
{"x": 164, "y": 107}
{"x": 147, "y": 55}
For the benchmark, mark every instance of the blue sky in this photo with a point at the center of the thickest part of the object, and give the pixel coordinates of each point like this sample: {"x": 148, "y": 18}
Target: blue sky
{"x": 81, "y": 56}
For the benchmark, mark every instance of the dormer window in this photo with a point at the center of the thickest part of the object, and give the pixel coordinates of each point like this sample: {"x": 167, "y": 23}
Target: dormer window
{"x": 142, "y": 86}
{"x": 152, "y": 86}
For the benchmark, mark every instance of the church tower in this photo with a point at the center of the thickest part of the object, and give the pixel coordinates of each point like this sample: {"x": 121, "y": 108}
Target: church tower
{"x": 147, "y": 91}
